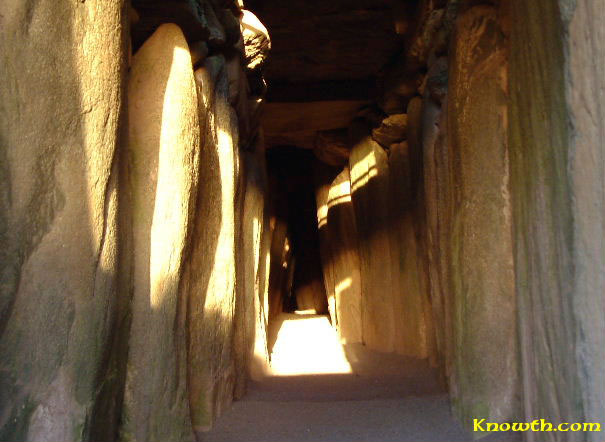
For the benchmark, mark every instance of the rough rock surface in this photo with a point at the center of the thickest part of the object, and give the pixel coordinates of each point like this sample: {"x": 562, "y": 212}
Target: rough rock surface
{"x": 62, "y": 81}
{"x": 391, "y": 130}
{"x": 557, "y": 170}
{"x": 331, "y": 147}
{"x": 257, "y": 240}
{"x": 250, "y": 311}
{"x": 211, "y": 279}
{"x": 409, "y": 300}
{"x": 164, "y": 151}
{"x": 323, "y": 176}
{"x": 437, "y": 78}
{"x": 370, "y": 196}
{"x": 285, "y": 118}
{"x": 485, "y": 378}
{"x": 257, "y": 42}
{"x": 429, "y": 22}
{"x": 437, "y": 203}
{"x": 280, "y": 265}
{"x": 342, "y": 233}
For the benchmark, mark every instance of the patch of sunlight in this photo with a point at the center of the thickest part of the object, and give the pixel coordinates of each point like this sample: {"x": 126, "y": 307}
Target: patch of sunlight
{"x": 363, "y": 171}
{"x": 172, "y": 189}
{"x": 310, "y": 311}
{"x": 343, "y": 285}
{"x": 307, "y": 345}
{"x": 322, "y": 216}
{"x": 339, "y": 194}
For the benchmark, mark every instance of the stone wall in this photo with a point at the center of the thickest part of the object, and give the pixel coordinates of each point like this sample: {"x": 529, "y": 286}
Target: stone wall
{"x": 461, "y": 215}
{"x": 513, "y": 214}
{"x": 134, "y": 244}
{"x": 557, "y": 169}
{"x": 62, "y": 82}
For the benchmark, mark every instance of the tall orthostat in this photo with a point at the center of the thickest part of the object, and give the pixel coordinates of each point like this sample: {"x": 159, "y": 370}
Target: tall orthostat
{"x": 164, "y": 152}
{"x": 557, "y": 167}
{"x": 61, "y": 81}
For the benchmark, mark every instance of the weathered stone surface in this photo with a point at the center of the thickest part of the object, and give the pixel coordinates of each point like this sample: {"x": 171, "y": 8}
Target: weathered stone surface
{"x": 280, "y": 265}
{"x": 557, "y": 169}
{"x": 399, "y": 85}
{"x": 331, "y": 147}
{"x": 323, "y": 176}
{"x": 484, "y": 380}
{"x": 199, "y": 52}
{"x": 284, "y": 118}
{"x": 430, "y": 21}
{"x": 238, "y": 97}
{"x": 216, "y": 33}
{"x": 251, "y": 315}
{"x": 257, "y": 42}
{"x": 232, "y": 28}
{"x": 211, "y": 277}
{"x": 344, "y": 259}
{"x": 257, "y": 237}
{"x": 436, "y": 79}
{"x": 587, "y": 67}
{"x": 392, "y": 130}
{"x": 370, "y": 196}
{"x": 61, "y": 81}
{"x": 437, "y": 188}
{"x": 414, "y": 139}
{"x": 164, "y": 151}
{"x": 419, "y": 217}
{"x": 409, "y": 300}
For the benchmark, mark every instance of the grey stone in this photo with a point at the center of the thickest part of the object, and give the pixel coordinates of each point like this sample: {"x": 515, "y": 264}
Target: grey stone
{"x": 484, "y": 382}
{"x": 62, "y": 82}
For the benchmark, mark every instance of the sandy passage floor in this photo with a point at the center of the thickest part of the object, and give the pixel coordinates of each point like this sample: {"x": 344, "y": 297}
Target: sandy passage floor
{"x": 320, "y": 391}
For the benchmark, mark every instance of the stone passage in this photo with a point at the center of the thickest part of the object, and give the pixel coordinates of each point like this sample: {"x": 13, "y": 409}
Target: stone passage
{"x": 386, "y": 217}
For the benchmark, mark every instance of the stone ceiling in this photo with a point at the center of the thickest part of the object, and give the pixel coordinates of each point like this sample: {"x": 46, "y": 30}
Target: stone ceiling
{"x": 326, "y": 53}
{"x": 334, "y": 48}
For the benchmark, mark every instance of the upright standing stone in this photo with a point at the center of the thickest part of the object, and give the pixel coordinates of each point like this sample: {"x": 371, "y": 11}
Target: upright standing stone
{"x": 480, "y": 240}
{"x": 261, "y": 235}
{"x": 342, "y": 236}
{"x": 62, "y": 81}
{"x": 409, "y": 303}
{"x": 324, "y": 175}
{"x": 251, "y": 314}
{"x": 164, "y": 151}
{"x": 437, "y": 186}
{"x": 557, "y": 185}
{"x": 370, "y": 196}
{"x": 211, "y": 279}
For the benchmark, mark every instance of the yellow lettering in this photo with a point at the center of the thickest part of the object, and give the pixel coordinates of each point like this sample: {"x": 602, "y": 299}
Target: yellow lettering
{"x": 524, "y": 426}
{"x": 545, "y": 426}
{"x": 492, "y": 426}
{"x": 592, "y": 427}
{"x": 477, "y": 424}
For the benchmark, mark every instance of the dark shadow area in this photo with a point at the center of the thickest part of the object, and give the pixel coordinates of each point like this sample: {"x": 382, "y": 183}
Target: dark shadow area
{"x": 293, "y": 201}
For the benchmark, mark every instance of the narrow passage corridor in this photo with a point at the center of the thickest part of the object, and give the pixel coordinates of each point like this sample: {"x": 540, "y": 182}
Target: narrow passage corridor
{"x": 322, "y": 391}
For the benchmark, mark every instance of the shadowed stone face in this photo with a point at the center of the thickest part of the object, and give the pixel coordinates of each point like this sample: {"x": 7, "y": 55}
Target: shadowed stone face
{"x": 480, "y": 245}
{"x": 61, "y": 82}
